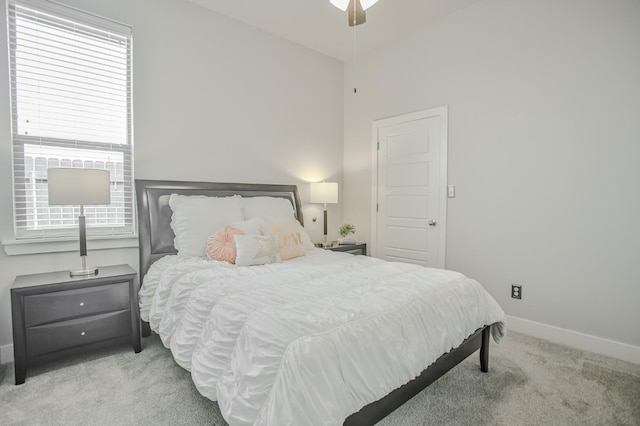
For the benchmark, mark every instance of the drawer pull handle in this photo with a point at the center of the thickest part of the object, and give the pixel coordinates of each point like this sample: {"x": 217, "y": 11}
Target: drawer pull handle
{"x": 81, "y": 303}
{"x": 82, "y": 334}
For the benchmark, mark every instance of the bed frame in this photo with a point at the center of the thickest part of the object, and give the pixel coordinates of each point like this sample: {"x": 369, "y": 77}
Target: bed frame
{"x": 156, "y": 240}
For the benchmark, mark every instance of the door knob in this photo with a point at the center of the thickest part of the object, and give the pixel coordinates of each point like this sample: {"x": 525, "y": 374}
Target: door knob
{"x": 432, "y": 223}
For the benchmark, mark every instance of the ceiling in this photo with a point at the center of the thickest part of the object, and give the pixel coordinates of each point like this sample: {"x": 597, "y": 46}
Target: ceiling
{"x": 320, "y": 26}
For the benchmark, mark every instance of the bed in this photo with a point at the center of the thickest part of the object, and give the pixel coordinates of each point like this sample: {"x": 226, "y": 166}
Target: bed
{"x": 260, "y": 351}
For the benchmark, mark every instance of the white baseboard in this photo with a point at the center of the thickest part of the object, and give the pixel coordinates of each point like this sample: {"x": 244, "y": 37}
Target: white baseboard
{"x": 6, "y": 354}
{"x": 575, "y": 339}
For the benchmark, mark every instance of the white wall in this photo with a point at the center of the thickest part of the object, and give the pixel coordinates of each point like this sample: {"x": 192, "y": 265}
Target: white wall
{"x": 544, "y": 149}
{"x": 214, "y": 100}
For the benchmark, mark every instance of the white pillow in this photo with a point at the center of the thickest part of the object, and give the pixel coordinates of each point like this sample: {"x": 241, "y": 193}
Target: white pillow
{"x": 250, "y": 227}
{"x": 256, "y": 250}
{"x": 268, "y": 208}
{"x": 194, "y": 218}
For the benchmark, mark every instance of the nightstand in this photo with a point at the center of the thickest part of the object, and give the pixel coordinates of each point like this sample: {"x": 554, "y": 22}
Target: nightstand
{"x": 54, "y": 313}
{"x": 357, "y": 249}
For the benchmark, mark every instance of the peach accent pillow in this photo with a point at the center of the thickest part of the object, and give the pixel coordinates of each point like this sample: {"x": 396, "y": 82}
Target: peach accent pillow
{"x": 221, "y": 245}
{"x": 289, "y": 237}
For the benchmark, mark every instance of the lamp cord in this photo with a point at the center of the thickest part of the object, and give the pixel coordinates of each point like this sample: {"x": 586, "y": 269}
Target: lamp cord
{"x": 354, "y": 47}
{"x": 354, "y": 61}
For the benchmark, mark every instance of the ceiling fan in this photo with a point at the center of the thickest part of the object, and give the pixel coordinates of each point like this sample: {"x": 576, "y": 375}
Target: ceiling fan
{"x": 356, "y": 9}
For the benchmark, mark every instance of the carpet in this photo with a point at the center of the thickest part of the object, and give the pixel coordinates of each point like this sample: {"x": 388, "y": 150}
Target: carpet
{"x": 530, "y": 382}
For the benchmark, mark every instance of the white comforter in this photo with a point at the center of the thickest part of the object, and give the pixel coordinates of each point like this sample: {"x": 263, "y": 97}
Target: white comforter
{"x": 311, "y": 340}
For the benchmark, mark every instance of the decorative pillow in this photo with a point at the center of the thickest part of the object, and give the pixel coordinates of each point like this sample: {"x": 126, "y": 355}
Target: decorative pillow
{"x": 306, "y": 239}
{"x": 269, "y": 208}
{"x": 250, "y": 227}
{"x": 195, "y": 218}
{"x": 222, "y": 246}
{"x": 289, "y": 237}
{"x": 256, "y": 250}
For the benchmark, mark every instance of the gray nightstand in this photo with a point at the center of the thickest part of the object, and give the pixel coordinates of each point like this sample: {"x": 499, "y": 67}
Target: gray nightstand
{"x": 54, "y": 313}
{"x": 357, "y": 249}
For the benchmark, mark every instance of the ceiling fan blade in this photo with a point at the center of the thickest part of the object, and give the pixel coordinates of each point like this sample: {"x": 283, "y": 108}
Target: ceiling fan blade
{"x": 356, "y": 13}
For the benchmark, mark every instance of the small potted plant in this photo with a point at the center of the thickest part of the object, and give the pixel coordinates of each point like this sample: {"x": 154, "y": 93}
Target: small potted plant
{"x": 345, "y": 231}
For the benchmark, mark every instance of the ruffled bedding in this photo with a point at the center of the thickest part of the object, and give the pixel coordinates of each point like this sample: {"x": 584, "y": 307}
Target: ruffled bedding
{"x": 313, "y": 339}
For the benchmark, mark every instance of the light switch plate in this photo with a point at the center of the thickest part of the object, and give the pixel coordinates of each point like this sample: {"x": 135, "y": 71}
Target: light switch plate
{"x": 451, "y": 191}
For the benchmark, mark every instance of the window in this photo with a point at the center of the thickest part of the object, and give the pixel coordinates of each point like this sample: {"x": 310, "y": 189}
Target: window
{"x": 70, "y": 107}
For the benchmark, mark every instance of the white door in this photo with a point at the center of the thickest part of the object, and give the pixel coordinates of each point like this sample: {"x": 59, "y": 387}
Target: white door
{"x": 409, "y": 222}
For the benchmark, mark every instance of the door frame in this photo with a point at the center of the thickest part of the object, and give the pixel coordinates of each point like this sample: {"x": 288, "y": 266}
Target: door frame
{"x": 443, "y": 113}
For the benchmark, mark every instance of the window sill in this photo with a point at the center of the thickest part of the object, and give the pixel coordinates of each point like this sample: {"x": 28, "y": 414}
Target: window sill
{"x": 59, "y": 245}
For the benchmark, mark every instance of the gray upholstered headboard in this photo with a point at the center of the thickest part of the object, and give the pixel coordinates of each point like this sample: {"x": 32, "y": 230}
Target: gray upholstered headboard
{"x": 154, "y": 215}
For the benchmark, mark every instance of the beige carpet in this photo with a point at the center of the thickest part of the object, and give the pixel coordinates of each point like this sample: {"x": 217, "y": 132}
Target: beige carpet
{"x": 530, "y": 382}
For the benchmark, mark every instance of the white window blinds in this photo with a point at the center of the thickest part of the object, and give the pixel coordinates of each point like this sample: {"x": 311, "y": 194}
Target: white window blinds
{"x": 70, "y": 107}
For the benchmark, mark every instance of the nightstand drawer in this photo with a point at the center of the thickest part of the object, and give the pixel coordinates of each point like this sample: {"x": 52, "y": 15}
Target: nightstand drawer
{"x": 359, "y": 249}
{"x": 356, "y": 252}
{"x": 55, "y": 306}
{"x": 49, "y": 338}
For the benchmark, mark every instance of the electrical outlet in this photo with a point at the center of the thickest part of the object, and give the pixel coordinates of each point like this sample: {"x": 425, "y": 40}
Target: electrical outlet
{"x": 516, "y": 291}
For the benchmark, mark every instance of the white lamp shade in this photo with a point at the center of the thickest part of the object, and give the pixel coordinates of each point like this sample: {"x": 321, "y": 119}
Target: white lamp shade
{"x": 343, "y": 4}
{"x": 79, "y": 187}
{"x": 324, "y": 193}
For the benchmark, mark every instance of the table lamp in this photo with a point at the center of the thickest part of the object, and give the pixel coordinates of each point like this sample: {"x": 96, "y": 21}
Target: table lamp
{"x": 324, "y": 193}
{"x": 80, "y": 187}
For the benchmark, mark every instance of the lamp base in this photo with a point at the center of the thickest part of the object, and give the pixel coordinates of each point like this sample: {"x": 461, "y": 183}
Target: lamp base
{"x": 84, "y": 272}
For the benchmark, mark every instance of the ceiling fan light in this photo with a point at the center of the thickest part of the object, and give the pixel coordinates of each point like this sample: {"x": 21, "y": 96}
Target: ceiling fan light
{"x": 343, "y": 4}
{"x": 366, "y": 4}
{"x": 340, "y": 4}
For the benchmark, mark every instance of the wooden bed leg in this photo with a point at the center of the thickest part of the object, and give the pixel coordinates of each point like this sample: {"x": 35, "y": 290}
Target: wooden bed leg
{"x": 146, "y": 329}
{"x": 484, "y": 349}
